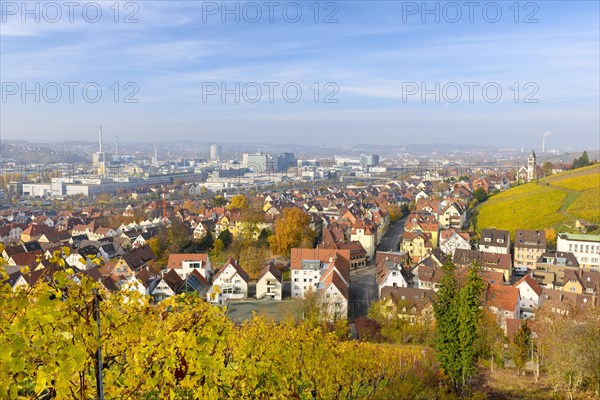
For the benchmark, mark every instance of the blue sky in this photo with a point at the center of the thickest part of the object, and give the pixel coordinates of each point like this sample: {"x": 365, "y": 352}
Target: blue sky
{"x": 374, "y": 55}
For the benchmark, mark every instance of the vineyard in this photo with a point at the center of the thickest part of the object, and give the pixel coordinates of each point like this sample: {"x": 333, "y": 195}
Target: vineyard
{"x": 182, "y": 348}
{"x": 553, "y": 202}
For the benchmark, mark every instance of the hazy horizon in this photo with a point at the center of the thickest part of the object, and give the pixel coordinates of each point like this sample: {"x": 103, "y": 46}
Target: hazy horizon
{"x": 383, "y": 76}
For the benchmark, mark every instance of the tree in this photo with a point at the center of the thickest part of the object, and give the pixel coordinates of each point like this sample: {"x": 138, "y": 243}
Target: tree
{"x": 520, "y": 348}
{"x": 180, "y": 348}
{"x": 239, "y": 201}
{"x": 490, "y": 343}
{"x": 551, "y": 237}
{"x": 291, "y": 230}
{"x": 217, "y": 249}
{"x": 547, "y": 168}
{"x": 395, "y": 212}
{"x": 225, "y": 237}
{"x": 263, "y": 237}
{"x": 569, "y": 342}
{"x": 480, "y": 195}
{"x": 582, "y": 161}
{"x": 386, "y": 313}
{"x": 469, "y": 315}
{"x": 219, "y": 201}
{"x": 447, "y": 344}
{"x": 308, "y": 309}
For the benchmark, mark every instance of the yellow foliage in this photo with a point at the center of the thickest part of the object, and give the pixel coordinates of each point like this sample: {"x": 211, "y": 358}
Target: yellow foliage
{"x": 180, "y": 348}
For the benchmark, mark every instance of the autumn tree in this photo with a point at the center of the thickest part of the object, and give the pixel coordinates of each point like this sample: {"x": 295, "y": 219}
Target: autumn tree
{"x": 217, "y": 249}
{"x": 239, "y": 201}
{"x": 291, "y": 230}
{"x": 395, "y": 212}
{"x": 520, "y": 348}
{"x": 180, "y": 348}
{"x": 490, "y": 338}
{"x": 570, "y": 345}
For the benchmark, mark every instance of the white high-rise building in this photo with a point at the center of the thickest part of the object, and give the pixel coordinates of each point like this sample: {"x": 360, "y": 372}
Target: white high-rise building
{"x": 215, "y": 152}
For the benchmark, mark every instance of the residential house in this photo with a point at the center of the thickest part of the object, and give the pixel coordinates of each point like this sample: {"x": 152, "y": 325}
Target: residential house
{"x": 550, "y": 268}
{"x": 561, "y": 302}
{"x": 412, "y": 304}
{"x": 270, "y": 283}
{"x": 495, "y": 262}
{"x": 184, "y": 264}
{"x": 529, "y": 294}
{"x": 365, "y": 232}
{"x": 504, "y": 301}
{"x": 586, "y": 249}
{"x": 390, "y": 273}
{"x": 452, "y": 215}
{"x": 195, "y": 283}
{"x": 231, "y": 282}
{"x": 495, "y": 241}
{"x": 529, "y": 246}
{"x": 416, "y": 245}
{"x": 450, "y": 240}
{"x": 167, "y": 286}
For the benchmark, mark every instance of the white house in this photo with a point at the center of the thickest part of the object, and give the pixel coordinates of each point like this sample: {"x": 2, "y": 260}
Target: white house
{"x": 270, "y": 283}
{"x": 586, "y": 249}
{"x": 450, "y": 240}
{"x": 391, "y": 273}
{"x": 363, "y": 233}
{"x": 184, "y": 264}
{"x": 167, "y": 286}
{"x": 451, "y": 215}
{"x": 529, "y": 293}
{"x": 333, "y": 292}
{"x": 495, "y": 241}
{"x": 231, "y": 282}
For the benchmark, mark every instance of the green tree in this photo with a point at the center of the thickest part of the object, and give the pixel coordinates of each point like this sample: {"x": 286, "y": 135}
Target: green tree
{"x": 225, "y": 237}
{"x": 447, "y": 343}
{"x": 547, "y": 168}
{"x": 480, "y": 195}
{"x": 469, "y": 315}
{"x": 582, "y": 161}
{"x": 219, "y": 201}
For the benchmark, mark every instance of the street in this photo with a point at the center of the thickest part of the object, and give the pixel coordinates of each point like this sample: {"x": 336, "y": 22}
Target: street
{"x": 363, "y": 285}
{"x": 391, "y": 240}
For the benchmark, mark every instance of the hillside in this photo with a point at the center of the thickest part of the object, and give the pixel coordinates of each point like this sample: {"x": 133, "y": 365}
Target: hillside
{"x": 556, "y": 201}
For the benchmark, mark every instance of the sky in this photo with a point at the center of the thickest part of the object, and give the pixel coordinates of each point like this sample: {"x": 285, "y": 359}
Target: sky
{"x": 325, "y": 73}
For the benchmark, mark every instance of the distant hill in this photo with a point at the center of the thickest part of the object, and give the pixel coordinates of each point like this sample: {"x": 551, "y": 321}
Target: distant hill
{"x": 556, "y": 201}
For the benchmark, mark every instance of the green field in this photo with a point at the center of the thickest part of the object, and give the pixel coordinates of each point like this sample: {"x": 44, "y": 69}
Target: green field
{"x": 556, "y": 201}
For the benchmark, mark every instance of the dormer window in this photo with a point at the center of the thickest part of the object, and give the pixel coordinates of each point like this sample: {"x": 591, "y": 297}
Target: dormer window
{"x": 487, "y": 239}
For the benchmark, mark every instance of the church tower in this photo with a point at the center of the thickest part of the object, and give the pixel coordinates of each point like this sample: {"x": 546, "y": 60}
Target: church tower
{"x": 531, "y": 167}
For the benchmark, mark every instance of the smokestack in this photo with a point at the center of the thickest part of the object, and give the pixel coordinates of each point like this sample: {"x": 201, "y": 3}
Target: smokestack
{"x": 155, "y": 155}
{"x": 117, "y": 147}
{"x": 100, "y": 140}
{"x": 544, "y": 136}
